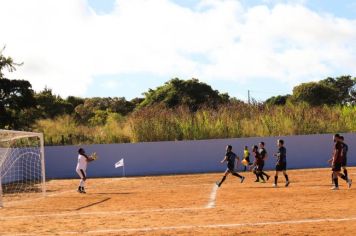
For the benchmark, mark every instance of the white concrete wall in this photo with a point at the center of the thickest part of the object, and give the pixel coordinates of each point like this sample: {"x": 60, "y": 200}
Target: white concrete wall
{"x": 304, "y": 151}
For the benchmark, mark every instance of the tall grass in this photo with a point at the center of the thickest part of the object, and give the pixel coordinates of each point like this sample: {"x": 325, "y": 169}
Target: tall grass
{"x": 235, "y": 120}
{"x": 65, "y": 130}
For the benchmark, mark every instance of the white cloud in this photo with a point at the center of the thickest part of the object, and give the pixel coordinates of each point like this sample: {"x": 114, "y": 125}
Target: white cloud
{"x": 64, "y": 43}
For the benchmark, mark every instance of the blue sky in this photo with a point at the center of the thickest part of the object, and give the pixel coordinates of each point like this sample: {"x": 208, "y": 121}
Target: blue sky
{"x": 124, "y": 47}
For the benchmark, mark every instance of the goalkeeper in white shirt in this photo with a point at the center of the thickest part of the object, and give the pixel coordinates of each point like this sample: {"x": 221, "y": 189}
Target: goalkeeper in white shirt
{"x": 83, "y": 160}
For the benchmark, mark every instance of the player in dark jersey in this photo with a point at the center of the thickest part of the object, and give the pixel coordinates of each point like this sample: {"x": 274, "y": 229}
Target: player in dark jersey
{"x": 264, "y": 156}
{"x": 281, "y": 164}
{"x": 230, "y": 159}
{"x": 336, "y": 162}
{"x": 345, "y": 149}
{"x": 257, "y": 165}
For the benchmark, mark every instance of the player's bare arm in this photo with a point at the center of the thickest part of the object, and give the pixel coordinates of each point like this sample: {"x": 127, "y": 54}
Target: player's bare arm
{"x": 89, "y": 159}
{"x": 224, "y": 160}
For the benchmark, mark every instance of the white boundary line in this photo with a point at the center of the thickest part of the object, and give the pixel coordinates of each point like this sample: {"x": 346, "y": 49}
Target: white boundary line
{"x": 189, "y": 227}
{"x": 211, "y": 203}
{"x": 101, "y": 213}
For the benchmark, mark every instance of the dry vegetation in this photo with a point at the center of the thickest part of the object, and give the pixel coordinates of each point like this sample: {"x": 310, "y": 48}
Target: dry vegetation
{"x": 229, "y": 121}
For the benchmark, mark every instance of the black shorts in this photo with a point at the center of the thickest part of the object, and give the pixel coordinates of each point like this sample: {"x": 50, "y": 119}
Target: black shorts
{"x": 281, "y": 166}
{"x": 344, "y": 162}
{"x": 336, "y": 167}
{"x": 230, "y": 169}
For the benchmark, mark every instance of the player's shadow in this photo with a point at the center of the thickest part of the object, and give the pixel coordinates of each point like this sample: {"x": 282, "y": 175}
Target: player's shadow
{"x": 93, "y": 204}
{"x": 53, "y": 190}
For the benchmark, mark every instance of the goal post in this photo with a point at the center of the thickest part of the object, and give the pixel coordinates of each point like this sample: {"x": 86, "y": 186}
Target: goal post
{"x": 22, "y": 166}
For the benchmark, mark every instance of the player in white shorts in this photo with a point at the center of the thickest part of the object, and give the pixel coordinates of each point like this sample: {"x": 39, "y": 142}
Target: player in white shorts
{"x": 83, "y": 160}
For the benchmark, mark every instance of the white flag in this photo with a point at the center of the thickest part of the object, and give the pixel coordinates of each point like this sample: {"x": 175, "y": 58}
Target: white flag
{"x": 119, "y": 163}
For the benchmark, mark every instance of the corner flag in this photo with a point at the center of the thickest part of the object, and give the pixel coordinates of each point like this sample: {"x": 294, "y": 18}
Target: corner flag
{"x": 119, "y": 163}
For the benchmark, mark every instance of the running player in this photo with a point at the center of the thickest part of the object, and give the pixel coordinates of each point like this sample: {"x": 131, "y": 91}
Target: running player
{"x": 83, "y": 160}
{"x": 336, "y": 163}
{"x": 281, "y": 164}
{"x": 246, "y": 157}
{"x": 257, "y": 165}
{"x": 345, "y": 149}
{"x": 230, "y": 159}
{"x": 264, "y": 156}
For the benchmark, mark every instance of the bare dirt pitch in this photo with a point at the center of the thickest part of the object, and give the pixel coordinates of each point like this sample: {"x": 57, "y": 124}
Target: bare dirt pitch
{"x": 188, "y": 205}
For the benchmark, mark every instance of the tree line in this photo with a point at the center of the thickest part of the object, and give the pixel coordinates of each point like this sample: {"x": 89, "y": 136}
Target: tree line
{"x": 330, "y": 91}
{"x": 22, "y": 108}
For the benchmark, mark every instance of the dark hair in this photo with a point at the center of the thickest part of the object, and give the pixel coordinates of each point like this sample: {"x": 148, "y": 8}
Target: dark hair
{"x": 81, "y": 151}
{"x": 337, "y": 135}
{"x": 281, "y": 141}
{"x": 229, "y": 147}
{"x": 342, "y": 138}
{"x": 254, "y": 147}
{"x": 263, "y": 143}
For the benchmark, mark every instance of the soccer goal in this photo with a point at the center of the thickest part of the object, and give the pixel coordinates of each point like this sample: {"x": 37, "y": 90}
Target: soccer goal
{"x": 22, "y": 169}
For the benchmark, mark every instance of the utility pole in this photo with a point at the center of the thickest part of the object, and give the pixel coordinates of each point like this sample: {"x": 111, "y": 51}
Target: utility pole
{"x": 248, "y": 96}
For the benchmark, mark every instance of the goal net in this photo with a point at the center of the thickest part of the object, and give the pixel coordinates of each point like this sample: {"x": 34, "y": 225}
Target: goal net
{"x": 22, "y": 170}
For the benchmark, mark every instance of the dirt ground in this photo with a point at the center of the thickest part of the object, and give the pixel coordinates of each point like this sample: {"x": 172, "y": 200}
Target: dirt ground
{"x": 188, "y": 205}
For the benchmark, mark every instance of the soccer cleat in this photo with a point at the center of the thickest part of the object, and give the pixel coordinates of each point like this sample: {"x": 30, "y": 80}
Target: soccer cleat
{"x": 335, "y": 188}
{"x": 79, "y": 190}
{"x": 349, "y": 183}
{"x": 287, "y": 183}
{"x": 257, "y": 180}
{"x": 268, "y": 177}
{"x": 274, "y": 185}
{"x": 242, "y": 179}
{"x": 218, "y": 184}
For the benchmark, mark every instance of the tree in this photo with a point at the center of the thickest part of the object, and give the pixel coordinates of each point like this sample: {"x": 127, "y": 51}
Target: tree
{"x": 91, "y": 107}
{"x": 121, "y": 106}
{"x": 315, "y": 94}
{"x": 136, "y": 102}
{"x": 50, "y": 105}
{"x": 7, "y": 63}
{"x": 344, "y": 85}
{"x": 16, "y": 98}
{"x": 279, "y": 100}
{"x": 74, "y": 102}
{"x": 190, "y": 93}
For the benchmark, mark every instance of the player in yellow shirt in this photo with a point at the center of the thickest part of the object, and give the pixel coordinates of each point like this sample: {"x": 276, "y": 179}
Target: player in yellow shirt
{"x": 246, "y": 158}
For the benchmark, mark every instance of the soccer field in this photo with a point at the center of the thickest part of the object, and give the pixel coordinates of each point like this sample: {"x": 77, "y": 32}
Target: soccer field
{"x": 188, "y": 205}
